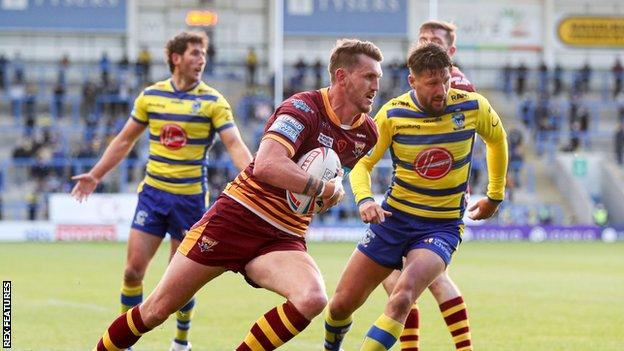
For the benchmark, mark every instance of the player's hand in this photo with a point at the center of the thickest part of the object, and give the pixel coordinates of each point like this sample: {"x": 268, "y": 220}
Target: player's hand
{"x": 333, "y": 192}
{"x": 372, "y": 212}
{"x": 482, "y": 209}
{"x": 84, "y": 187}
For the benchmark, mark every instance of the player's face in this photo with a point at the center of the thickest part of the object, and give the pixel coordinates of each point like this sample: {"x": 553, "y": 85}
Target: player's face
{"x": 192, "y": 62}
{"x": 362, "y": 83}
{"x": 431, "y": 88}
{"x": 436, "y": 36}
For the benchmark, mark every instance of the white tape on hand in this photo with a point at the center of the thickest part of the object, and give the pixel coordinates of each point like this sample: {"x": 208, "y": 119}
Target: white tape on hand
{"x": 338, "y": 185}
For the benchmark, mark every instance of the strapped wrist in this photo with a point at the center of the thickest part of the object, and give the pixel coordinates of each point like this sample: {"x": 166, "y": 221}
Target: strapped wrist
{"x": 320, "y": 189}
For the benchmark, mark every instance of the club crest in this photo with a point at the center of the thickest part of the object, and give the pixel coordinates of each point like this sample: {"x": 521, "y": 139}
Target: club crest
{"x": 359, "y": 149}
{"x": 459, "y": 120}
{"x": 206, "y": 243}
{"x": 196, "y": 106}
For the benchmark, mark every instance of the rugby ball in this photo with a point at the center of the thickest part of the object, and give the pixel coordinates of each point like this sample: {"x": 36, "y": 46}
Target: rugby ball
{"x": 322, "y": 163}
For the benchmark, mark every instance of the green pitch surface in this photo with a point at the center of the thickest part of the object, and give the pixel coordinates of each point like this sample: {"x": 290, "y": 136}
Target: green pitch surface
{"x": 521, "y": 296}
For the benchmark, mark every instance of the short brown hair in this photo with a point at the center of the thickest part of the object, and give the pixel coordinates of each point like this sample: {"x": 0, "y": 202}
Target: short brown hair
{"x": 346, "y": 53}
{"x": 178, "y": 44}
{"x": 448, "y": 27}
{"x": 429, "y": 57}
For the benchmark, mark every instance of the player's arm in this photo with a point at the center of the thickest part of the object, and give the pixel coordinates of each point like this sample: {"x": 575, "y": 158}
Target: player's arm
{"x": 275, "y": 167}
{"x": 223, "y": 122}
{"x": 239, "y": 153}
{"x": 490, "y": 128}
{"x": 116, "y": 151}
{"x": 360, "y": 176}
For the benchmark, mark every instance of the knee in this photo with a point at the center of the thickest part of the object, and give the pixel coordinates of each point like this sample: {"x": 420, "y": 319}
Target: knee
{"x": 133, "y": 274}
{"x": 341, "y": 307}
{"x": 155, "y": 313}
{"x": 401, "y": 301}
{"x": 443, "y": 286}
{"x": 310, "y": 303}
{"x": 389, "y": 283}
{"x": 438, "y": 286}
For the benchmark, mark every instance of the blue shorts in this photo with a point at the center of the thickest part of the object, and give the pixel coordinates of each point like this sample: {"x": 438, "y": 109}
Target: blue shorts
{"x": 159, "y": 212}
{"x": 388, "y": 242}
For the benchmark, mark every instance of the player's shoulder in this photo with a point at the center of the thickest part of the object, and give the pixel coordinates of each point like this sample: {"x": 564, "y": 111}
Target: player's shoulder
{"x": 205, "y": 92}
{"x": 370, "y": 125}
{"x": 304, "y": 104}
{"x": 456, "y": 72}
{"x": 460, "y": 81}
{"x": 466, "y": 100}
{"x": 457, "y": 96}
{"x": 163, "y": 85}
{"x": 203, "y": 88}
{"x": 306, "y": 101}
{"x": 403, "y": 101}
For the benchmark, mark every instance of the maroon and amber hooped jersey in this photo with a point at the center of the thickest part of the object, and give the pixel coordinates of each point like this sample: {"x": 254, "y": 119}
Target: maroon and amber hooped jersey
{"x": 459, "y": 81}
{"x": 303, "y": 122}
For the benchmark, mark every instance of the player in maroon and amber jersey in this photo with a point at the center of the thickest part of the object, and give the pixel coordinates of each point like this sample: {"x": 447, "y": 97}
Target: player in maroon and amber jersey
{"x": 302, "y": 123}
{"x": 459, "y": 80}
{"x": 443, "y": 34}
{"x": 250, "y": 228}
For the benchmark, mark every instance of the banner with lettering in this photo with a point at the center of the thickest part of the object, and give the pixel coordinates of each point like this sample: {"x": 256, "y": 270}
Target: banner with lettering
{"x": 56, "y": 15}
{"x": 387, "y": 18}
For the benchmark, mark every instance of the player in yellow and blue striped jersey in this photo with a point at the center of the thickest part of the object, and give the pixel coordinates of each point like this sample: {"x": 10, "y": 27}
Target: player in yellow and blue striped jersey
{"x": 430, "y": 132}
{"x": 444, "y": 290}
{"x": 183, "y": 115}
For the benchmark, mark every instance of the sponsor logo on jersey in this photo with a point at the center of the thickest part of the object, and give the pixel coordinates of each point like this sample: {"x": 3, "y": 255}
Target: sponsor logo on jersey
{"x": 140, "y": 217}
{"x": 433, "y": 163}
{"x": 458, "y": 96}
{"x": 325, "y": 140}
{"x": 196, "y": 106}
{"x": 206, "y": 243}
{"x": 360, "y": 135}
{"x": 400, "y": 103}
{"x": 408, "y": 126}
{"x": 287, "y": 126}
{"x": 359, "y": 149}
{"x": 172, "y": 136}
{"x": 433, "y": 120}
{"x": 459, "y": 120}
{"x": 301, "y": 105}
{"x": 494, "y": 118}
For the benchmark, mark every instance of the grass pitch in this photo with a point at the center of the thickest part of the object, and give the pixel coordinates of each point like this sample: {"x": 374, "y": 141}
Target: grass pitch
{"x": 520, "y": 296}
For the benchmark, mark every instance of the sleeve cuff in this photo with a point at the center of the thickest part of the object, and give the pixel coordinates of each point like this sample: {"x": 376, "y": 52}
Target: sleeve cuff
{"x": 139, "y": 121}
{"x": 494, "y": 200}
{"x": 366, "y": 199}
{"x": 225, "y": 126}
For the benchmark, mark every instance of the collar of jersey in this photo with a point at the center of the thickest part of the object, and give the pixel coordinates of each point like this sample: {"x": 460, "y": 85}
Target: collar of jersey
{"x": 175, "y": 90}
{"x": 333, "y": 117}
{"x": 415, "y": 100}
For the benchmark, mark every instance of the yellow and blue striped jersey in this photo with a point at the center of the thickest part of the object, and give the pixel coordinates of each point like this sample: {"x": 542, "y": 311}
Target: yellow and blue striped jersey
{"x": 182, "y": 126}
{"x": 432, "y": 155}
